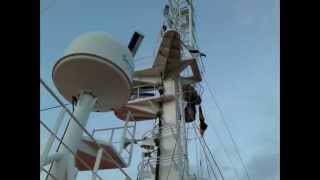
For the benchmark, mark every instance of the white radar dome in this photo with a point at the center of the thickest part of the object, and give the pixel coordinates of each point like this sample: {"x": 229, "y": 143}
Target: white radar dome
{"x": 96, "y": 63}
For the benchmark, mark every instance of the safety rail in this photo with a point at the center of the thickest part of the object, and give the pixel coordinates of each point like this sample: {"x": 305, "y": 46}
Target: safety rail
{"x": 53, "y": 135}
{"x": 148, "y": 165}
{"x": 145, "y": 90}
{"x": 165, "y": 129}
{"x": 122, "y": 148}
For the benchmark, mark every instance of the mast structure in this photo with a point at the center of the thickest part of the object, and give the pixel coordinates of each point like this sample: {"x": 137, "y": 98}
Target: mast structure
{"x": 165, "y": 155}
{"x": 172, "y": 152}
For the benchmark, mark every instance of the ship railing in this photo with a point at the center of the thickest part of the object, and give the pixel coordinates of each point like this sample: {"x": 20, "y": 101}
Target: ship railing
{"x": 45, "y": 159}
{"x": 125, "y": 145}
{"x": 148, "y": 165}
{"x": 142, "y": 91}
{"x": 165, "y": 129}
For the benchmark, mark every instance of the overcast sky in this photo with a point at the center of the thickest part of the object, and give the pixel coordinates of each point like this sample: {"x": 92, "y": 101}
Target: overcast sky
{"x": 241, "y": 41}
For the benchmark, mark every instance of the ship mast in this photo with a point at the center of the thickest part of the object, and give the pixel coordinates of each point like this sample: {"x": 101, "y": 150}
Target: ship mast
{"x": 165, "y": 155}
{"x": 172, "y": 152}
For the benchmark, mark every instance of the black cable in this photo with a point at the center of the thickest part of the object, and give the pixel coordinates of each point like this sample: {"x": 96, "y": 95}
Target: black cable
{"x": 45, "y": 109}
{"x": 64, "y": 133}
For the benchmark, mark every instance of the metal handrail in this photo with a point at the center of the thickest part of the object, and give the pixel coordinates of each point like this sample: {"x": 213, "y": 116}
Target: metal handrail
{"x": 125, "y": 128}
{"x": 83, "y": 128}
{"x": 68, "y": 148}
{"x": 106, "y": 129}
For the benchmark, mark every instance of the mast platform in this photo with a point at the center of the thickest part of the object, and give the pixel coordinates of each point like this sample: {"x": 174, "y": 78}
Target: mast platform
{"x": 143, "y": 108}
{"x": 88, "y": 151}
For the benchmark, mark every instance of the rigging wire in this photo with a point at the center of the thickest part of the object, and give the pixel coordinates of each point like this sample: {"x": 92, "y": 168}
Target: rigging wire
{"x": 206, "y": 155}
{"x": 224, "y": 149}
{"x": 227, "y": 127}
{"x": 215, "y": 162}
{"x": 208, "y": 171}
{"x": 222, "y": 116}
{"x": 209, "y": 174}
{"x": 48, "y": 173}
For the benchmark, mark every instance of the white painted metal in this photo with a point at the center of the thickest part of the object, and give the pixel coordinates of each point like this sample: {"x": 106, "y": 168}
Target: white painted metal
{"x": 124, "y": 133}
{"x": 60, "y": 140}
{"x": 104, "y": 61}
{"x": 104, "y": 45}
{"x": 51, "y": 138}
{"x": 132, "y": 136}
{"x": 54, "y": 157}
{"x": 83, "y": 128}
{"x": 73, "y": 135}
{"x": 104, "y": 65}
{"x": 71, "y": 170}
{"x": 168, "y": 139}
{"x": 97, "y": 163}
{"x": 124, "y": 138}
{"x": 176, "y": 143}
{"x": 111, "y": 136}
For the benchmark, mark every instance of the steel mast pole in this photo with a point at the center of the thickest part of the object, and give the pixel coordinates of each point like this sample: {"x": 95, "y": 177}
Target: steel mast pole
{"x": 65, "y": 169}
{"x": 169, "y": 137}
{"x": 172, "y": 150}
{"x": 174, "y": 142}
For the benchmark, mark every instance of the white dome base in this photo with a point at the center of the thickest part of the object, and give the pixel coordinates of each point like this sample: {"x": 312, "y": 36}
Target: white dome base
{"x": 95, "y": 74}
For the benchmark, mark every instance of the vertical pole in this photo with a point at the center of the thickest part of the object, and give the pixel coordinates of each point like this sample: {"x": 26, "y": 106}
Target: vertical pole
{"x": 50, "y": 141}
{"x": 124, "y": 132}
{"x": 97, "y": 163}
{"x": 168, "y": 139}
{"x": 133, "y": 137}
{"x": 71, "y": 170}
{"x": 73, "y": 135}
{"x": 183, "y": 134}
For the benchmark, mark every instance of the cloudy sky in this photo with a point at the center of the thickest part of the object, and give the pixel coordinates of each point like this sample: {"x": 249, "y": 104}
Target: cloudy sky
{"x": 241, "y": 41}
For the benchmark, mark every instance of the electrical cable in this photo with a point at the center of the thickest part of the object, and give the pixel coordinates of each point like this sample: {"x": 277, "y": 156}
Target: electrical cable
{"x": 224, "y": 149}
{"x": 45, "y": 109}
{"x": 227, "y": 127}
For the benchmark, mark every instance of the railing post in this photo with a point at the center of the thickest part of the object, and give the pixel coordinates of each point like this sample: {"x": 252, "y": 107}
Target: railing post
{"x": 133, "y": 137}
{"x": 71, "y": 173}
{"x": 97, "y": 163}
{"x": 123, "y": 138}
{"x": 50, "y": 141}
